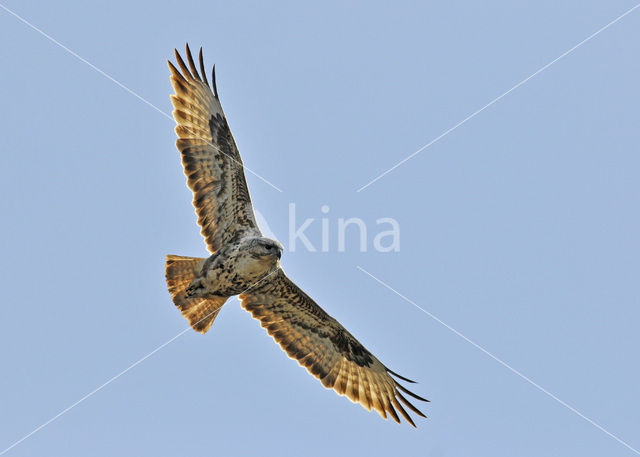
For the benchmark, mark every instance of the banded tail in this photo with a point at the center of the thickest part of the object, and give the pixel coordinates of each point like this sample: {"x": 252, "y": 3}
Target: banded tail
{"x": 199, "y": 311}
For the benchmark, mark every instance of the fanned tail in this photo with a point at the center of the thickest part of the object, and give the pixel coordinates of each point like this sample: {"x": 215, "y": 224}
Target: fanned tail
{"x": 200, "y": 312}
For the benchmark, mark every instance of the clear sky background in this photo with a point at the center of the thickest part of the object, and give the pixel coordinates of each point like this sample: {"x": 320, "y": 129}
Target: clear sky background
{"x": 519, "y": 229}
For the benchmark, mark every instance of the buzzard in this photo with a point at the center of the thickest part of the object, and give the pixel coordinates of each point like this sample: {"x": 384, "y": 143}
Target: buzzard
{"x": 245, "y": 263}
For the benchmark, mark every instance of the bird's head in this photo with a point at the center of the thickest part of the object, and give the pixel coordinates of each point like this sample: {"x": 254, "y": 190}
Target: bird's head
{"x": 266, "y": 249}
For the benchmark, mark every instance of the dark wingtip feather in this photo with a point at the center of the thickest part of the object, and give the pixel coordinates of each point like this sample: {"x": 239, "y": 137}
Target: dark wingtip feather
{"x": 392, "y": 412}
{"x": 403, "y": 412}
{"x": 175, "y": 72}
{"x": 406, "y": 391}
{"x": 401, "y": 377}
{"x": 194, "y": 70}
{"x": 183, "y": 66}
{"x": 204, "y": 73}
{"x": 213, "y": 81}
{"x": 409, "y": 405}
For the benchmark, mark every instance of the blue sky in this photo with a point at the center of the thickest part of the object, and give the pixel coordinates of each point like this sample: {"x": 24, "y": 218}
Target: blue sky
{"x": 519, "y": 229}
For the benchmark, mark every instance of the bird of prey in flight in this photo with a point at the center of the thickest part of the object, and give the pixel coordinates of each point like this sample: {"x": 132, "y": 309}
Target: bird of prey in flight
{"x": 245, "y": 263}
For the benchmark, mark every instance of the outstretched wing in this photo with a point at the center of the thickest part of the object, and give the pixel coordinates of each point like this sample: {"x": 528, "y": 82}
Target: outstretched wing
{"x": 327, "y": 350}
{"x": 210, "y": 157}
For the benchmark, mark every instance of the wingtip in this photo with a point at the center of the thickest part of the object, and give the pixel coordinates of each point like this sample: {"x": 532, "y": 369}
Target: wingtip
{"x": 213, "y": 81}
{"x": 202, "y": 69}
{"x": 192, "y": 65}
{"x": 185, "y": 70}
{"x": 407, "y": 391}
{"x": 401, "y": 377}
{"x": 175, "y": 73}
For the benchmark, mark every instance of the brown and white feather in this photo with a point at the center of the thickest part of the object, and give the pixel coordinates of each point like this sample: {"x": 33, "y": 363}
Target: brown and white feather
{"x": 199, "y": 311}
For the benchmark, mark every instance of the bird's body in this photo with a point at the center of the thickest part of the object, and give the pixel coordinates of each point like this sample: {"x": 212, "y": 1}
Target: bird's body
{"x": 245, "y": 263}
{"x": 236, "y": 267}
